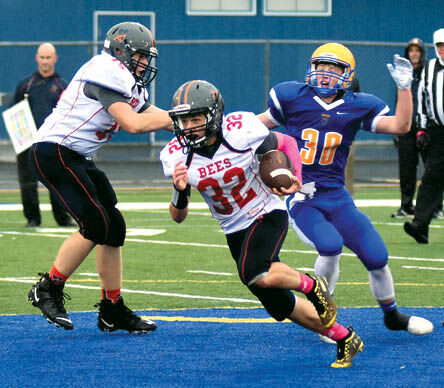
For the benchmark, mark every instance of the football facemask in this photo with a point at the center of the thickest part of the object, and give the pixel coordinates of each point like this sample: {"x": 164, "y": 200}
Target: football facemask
{"x": 193, "y": 98}
{"x": 191, "y": 136}
{"x": 126, "y": 39}
{"x": 320, "y": 79}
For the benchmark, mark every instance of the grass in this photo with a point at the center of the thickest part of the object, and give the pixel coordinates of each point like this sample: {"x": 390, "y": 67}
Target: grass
{"x": 157, "y": 268}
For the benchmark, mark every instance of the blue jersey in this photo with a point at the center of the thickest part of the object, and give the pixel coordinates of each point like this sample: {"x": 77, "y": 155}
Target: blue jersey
{"x": 324, "y": 132}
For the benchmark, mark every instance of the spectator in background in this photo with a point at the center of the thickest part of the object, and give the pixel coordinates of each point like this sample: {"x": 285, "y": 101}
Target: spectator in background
{"x": 430, "y": 136}
{"x": 408, "y": 150}
{"x": 42, "y": 89}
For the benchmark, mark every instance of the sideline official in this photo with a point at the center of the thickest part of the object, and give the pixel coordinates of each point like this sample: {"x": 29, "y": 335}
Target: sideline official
{"x": 431, "y": 137}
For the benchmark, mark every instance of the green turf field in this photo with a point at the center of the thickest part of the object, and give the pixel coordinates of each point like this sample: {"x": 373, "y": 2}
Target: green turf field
{"x": 188, "y": 265}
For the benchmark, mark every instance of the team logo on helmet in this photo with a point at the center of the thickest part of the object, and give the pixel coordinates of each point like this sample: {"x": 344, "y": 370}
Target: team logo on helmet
{"x": 120, "y": 38}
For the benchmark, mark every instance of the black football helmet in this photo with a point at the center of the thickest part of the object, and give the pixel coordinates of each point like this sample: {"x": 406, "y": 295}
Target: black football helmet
{"x": 195, "y": 97}
{"x": 125, "y": 39}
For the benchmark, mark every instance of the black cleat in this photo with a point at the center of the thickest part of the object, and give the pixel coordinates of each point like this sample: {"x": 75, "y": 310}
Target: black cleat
{"x": 394, "y": 320}
{"x": 419, "y": 232}
{"x": 119, "y": 317}
{"x": 50, "y": 299}
{"x": 322, "y": 301}
{"x": 348, "y": 348}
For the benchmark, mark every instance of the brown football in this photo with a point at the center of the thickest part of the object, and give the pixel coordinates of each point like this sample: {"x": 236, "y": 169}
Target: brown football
{"x": 275, "y": 170}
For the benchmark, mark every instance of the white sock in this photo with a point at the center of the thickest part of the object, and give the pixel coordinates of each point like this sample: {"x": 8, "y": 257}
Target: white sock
{"x": 328, "y": 266}
{"x": 381, "y": 283}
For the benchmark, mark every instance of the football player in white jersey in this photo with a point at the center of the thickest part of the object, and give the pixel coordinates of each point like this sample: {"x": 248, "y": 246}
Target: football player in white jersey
{"x": 218, "y": 156}
{"x": 107, "y": 94}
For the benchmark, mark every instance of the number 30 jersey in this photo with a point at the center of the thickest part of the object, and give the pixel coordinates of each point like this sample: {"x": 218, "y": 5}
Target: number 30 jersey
{"x": 229, "y": 181}
{"x": 82, "y": 123}
{"x": 324, "y": 132}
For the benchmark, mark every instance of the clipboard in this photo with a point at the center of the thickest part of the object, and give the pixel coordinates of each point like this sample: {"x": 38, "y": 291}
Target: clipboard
{"x": 20, "y": 125}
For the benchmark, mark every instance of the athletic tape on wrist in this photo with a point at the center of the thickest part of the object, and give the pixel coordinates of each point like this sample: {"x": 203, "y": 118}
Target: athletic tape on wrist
{"x": 179, "y": 198}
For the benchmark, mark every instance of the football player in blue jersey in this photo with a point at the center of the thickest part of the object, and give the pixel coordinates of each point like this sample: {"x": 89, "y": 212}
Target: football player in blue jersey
{"x": 324, "y": 117}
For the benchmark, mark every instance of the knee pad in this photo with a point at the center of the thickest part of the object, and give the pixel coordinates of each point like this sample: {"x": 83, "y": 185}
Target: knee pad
{"x": 279, "y": 303}
{"x": 117, "y": 231}
{"x": 105, "y": 227}
{"x": 373, "y": 256}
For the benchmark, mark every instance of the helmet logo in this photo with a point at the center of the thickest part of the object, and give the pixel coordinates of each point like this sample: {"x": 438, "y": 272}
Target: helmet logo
{"x": 329, "y": 55}
{"x": 182, "y": 107}
{"x": 120, "y": 38}
{"x": 215, "y": 94}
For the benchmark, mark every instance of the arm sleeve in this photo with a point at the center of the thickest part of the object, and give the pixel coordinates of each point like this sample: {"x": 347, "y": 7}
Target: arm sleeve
{"x": 269, "y": 143}
{"x": 286, "y": 144}
{"x": 144, "y": 107}
{"x": 104, "y": 95}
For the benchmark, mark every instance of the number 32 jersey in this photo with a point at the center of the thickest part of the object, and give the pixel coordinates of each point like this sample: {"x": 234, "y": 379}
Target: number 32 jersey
{"x": 82, "y": 123}
{"x": 324, "y": 132}
{"x": 229, "y": 181}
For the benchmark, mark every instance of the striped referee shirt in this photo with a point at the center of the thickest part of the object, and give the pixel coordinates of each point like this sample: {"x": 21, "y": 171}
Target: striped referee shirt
{"x": 431, "y": 95}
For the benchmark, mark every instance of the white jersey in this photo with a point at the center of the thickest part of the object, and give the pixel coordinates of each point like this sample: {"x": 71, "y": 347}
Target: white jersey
{"x": 229, "y": 181}
{"x": 81, "y": 123}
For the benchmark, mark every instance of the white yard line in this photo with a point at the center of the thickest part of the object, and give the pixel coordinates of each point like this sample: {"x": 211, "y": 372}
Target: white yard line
{"x": 429, "y": 268}
{"x": 222, "y": 246}
{"x": 126, "y": 290}
{"x": 199, "y": 205}
{"x": 211, "y": 273}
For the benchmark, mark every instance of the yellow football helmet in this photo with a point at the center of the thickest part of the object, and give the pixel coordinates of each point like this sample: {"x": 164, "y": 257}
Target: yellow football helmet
{"x": 337, "y": 54}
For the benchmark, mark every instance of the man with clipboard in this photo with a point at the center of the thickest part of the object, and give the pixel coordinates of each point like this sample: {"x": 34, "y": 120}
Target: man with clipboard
{"x": 42, "y": 90}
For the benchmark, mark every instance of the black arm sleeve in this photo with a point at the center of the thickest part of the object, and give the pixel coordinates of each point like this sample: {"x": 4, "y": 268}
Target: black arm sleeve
{"x": 104, "y": 95}
{"x": 269, "y": 143}
{"x": 144, "y": 107}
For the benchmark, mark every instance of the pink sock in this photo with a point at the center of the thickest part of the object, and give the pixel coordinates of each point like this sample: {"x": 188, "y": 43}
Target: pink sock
{"x": 306, "y": 284}
{"x": 336, "y": 332}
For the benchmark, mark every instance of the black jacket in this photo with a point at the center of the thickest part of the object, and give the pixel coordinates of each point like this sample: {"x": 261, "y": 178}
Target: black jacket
{"x": 43, "y": 94}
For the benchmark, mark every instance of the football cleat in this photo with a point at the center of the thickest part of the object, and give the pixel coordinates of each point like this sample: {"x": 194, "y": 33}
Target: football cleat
{"x": 348, "y": 348}
{"x": 419, "y": 326}
{"x": 322, "y": 301}
{"x": 116, "y": 316}
{"x": 414, "y": 325}
{"x": 50, "y": 299}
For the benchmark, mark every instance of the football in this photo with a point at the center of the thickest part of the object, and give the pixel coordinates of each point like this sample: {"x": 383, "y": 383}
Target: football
{"x": 276, "y": 170}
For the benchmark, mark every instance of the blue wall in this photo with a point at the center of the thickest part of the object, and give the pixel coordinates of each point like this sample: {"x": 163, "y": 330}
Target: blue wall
{"x": 237, "y": 69}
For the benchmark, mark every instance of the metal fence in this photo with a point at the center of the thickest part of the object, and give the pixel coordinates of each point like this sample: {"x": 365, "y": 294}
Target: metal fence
{"x": 244, "y": 70}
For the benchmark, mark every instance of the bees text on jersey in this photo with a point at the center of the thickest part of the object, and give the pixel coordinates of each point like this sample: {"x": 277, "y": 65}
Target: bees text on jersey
{"x": 229, "y": 181}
